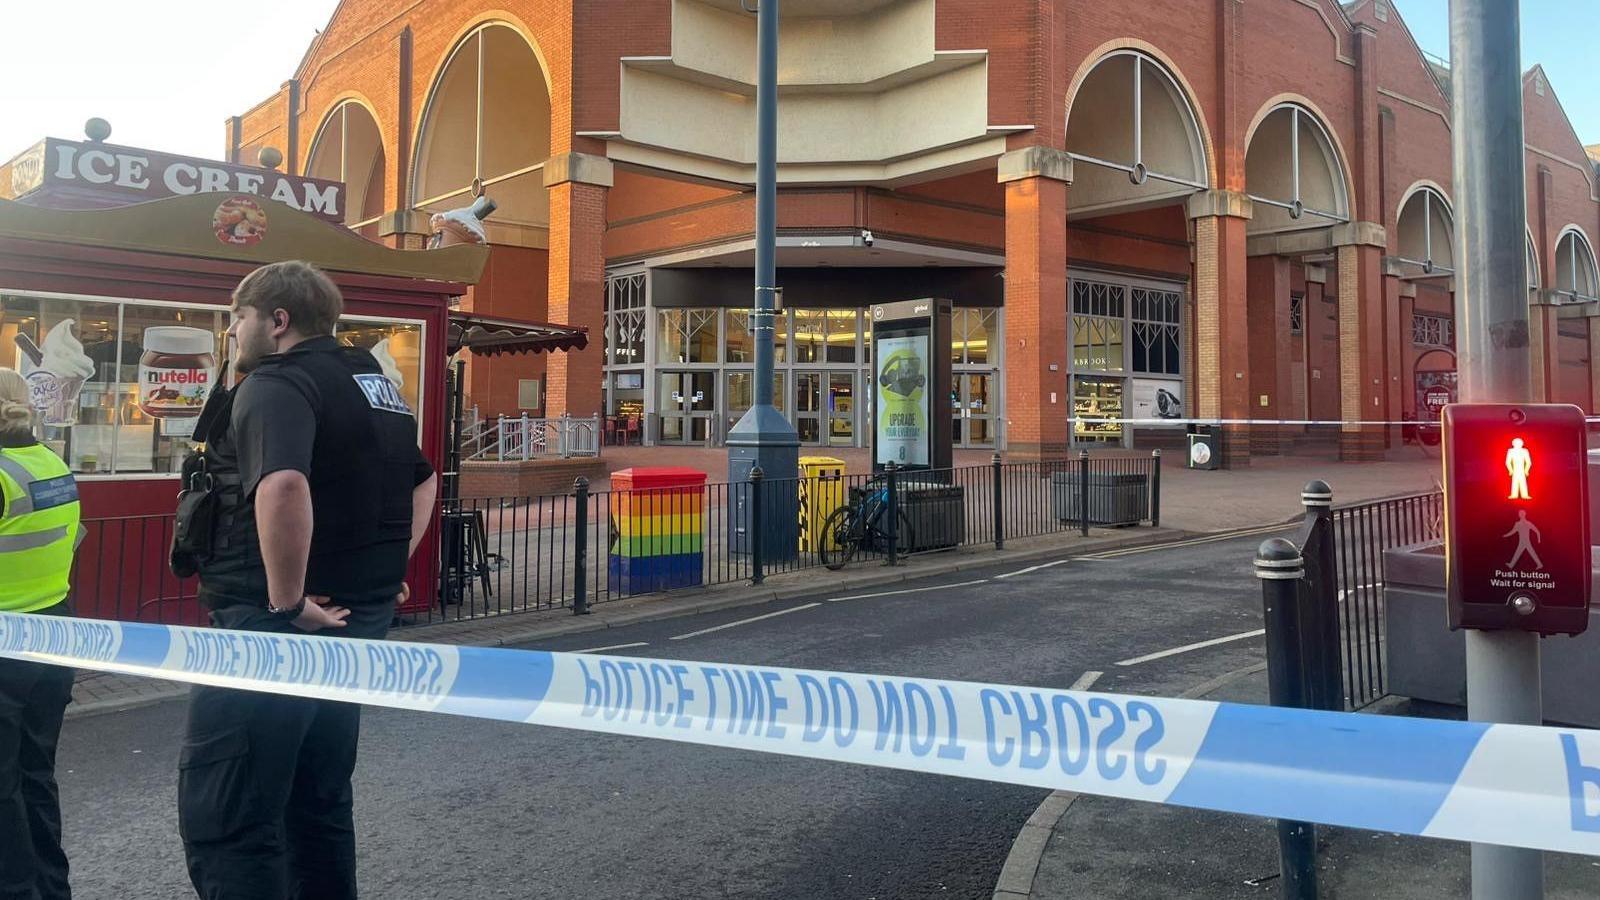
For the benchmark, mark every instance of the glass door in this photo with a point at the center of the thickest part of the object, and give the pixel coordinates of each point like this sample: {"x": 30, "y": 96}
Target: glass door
{"x": 688, "y": 406}
{"x": 808, "y": 406}
{"x": 741, "y": 396}
{"x": 841, "y": 409}
{"x": 974, "y": 413}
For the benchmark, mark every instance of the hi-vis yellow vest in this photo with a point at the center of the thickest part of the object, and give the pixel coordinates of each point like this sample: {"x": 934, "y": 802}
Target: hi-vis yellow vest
{"x": 39, "y": 528}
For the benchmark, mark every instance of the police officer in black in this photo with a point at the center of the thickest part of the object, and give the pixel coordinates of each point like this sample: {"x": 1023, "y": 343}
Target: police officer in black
{"x": 315, "y": 495}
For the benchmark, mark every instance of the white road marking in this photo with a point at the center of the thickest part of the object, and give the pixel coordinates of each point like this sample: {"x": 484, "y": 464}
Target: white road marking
{"x": 1033, "y": 568}
{"x": 1195, "y": 646}
{"x": 615, "y": 647}
{"x": 931, "y": 587}
{"x": 781, "y": 612}
{"x": 1086, "y": 681}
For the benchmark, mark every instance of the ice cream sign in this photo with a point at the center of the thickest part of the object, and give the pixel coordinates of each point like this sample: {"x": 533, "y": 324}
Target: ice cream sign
{"x": 89, "y": 174}
{"x": 176, "y": 372}
{"x": 55, "y": 370}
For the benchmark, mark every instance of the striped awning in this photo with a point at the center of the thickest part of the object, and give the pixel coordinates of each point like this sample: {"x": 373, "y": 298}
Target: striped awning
{"x": 486, "y": 336}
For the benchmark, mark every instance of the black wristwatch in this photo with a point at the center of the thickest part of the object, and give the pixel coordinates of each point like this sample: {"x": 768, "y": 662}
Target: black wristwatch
{"x": 292, "y": 612}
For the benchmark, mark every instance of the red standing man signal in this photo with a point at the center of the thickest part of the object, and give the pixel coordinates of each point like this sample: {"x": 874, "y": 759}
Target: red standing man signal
{"x": 1519, "y": 462}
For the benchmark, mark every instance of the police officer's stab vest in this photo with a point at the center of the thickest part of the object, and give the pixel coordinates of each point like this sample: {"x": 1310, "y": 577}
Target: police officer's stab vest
{"x": 39, "y": 528}
{"x": 362, "y": 473}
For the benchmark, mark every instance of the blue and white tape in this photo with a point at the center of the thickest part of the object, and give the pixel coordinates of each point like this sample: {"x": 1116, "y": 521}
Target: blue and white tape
{"x": 1499, "y": 784}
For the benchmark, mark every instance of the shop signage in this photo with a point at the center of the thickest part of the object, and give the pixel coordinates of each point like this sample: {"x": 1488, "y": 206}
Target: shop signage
{"x": 1158, "y": 399}
{"x": 101, "y": 174}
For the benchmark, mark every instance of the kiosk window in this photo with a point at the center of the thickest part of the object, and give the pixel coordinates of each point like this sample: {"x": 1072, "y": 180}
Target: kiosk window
{"x": 117, "y": 385}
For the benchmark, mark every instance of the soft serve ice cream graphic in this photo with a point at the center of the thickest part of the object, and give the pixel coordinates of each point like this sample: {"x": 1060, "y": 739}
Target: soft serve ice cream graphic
{"x": 55, "y": 373}
{"x": 391, "y": 370}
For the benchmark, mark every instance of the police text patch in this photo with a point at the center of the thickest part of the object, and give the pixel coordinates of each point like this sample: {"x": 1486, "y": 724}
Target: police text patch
{"x": 381, "y": 394}
{"x": 53, "y": 492}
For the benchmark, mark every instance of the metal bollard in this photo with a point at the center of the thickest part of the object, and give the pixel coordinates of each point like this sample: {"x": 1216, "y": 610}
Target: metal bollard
{"x": 1155, "y": 488}
{"x": 1083, "y": 492}
{"x": 1319, "y": 596}
{"x": 999, "y": 511}
{"x": 892, "y": 513}
{"x": 1280, "y": 568}
{"x": 580, "y": 547}
{"x": 757, "y": 567}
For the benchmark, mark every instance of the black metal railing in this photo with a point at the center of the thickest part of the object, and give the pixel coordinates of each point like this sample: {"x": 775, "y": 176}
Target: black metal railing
{"x": 1360, "y": 535}
{"x": 502, "y": 555}
{"x": 513, "y": 554}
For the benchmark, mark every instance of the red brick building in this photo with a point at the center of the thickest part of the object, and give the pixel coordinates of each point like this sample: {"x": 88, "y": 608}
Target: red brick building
{"x": 1181, "y": 207}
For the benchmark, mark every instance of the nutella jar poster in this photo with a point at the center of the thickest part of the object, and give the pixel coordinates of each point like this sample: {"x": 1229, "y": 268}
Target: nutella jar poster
{"x": 176, "y": 373}
{"x": 55, "y": 369}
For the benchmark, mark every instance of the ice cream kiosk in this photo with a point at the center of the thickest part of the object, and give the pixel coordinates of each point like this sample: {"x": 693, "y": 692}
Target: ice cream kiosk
{"x": 116, "y": 317}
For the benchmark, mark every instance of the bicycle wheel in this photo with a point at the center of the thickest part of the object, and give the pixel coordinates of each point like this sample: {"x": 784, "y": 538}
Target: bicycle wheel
{"x": 837, "y": 543}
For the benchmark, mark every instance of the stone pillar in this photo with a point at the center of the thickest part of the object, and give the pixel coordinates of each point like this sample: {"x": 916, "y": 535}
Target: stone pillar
{"x": 1222, "y": 339}
{"x": 1362, "y": 396}
{"x": 578, "y": 183}
{"x": 1036, "y": 180}
{"x": 1543, "y": 347}
{"x": 1594, "y": 366}
{"x": 1407, "y": 306}
{"x": 1396, "y": 338}
{"x": 1268, "y": 318}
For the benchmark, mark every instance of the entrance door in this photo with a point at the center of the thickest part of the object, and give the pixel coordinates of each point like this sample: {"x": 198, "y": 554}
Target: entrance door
{"x": 808, "y": 408}
{"x": 841, "y": 409}
{"x": 973, "y": 424}
{"x": 688, "y": 405}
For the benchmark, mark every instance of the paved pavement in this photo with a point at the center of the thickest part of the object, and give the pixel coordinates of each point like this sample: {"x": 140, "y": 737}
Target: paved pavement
{"x": 456, "y": 807}
{"x": 1100, "y": 847}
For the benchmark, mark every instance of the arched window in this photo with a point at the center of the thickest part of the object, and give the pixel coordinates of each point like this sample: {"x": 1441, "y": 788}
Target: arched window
{"x": 349, "y": 148}
{"x": 486, "y": 130}
{"x": 1426, "y": 238}
{"x": 1576, "y": 280}
{"x": 1133, "y": 135}
{"x": 1292, "y": 172}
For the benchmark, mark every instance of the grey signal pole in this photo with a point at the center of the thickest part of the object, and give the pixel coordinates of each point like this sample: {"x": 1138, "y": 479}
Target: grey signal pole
{"x": 764, "y": 437}
{"x": 1492, "y": 303}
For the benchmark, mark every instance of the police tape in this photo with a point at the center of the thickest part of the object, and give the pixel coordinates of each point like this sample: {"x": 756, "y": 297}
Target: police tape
{"x": 1515, "y": 785}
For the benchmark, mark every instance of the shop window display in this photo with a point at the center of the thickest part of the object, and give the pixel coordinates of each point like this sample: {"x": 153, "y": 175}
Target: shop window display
{"x": 117, "y": 386}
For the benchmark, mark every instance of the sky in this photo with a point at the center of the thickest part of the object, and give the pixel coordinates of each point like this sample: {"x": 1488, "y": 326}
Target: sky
{"x": 168, "y": 74}
{"x": 1548, "y": 31}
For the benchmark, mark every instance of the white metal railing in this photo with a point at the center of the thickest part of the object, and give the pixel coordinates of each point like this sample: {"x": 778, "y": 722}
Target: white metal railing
{"x": 526, "y": 437}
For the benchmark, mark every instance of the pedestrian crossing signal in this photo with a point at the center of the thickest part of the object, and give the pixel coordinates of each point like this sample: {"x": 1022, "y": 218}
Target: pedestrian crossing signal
{"x": 1516, "y": 517}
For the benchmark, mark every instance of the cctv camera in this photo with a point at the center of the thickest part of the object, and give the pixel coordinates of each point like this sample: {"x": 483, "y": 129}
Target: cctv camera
{"x": 866, "y": 237}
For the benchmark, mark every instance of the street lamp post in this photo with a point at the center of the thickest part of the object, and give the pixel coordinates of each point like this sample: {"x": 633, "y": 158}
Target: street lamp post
{"x": 764, "y": 437}
{"x": 1492, "y": 293}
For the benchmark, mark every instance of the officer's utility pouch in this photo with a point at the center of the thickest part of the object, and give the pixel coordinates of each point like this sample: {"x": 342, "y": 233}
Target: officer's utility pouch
{"x": 198, "y": 500}
{"x": 197, "y": 512}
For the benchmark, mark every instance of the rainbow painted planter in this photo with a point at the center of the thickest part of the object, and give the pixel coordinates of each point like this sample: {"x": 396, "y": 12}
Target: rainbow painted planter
{"x": 658, "y": 529}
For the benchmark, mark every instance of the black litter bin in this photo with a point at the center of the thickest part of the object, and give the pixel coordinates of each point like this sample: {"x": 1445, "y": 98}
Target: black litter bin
{"x": 936, "y": 514}
{"x": 1114, "y": 499}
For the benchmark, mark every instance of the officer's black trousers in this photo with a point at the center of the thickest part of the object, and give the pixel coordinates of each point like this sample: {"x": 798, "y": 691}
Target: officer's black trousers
{"x": 33, "y": 699}
{"x": 264, "y": 797}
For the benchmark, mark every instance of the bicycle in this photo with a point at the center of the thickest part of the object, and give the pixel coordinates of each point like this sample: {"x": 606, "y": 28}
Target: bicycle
{"x": 859, "y": 526}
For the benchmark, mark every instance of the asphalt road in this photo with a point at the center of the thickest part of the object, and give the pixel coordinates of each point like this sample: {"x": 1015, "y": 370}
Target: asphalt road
{"x": 456, "y": 808}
